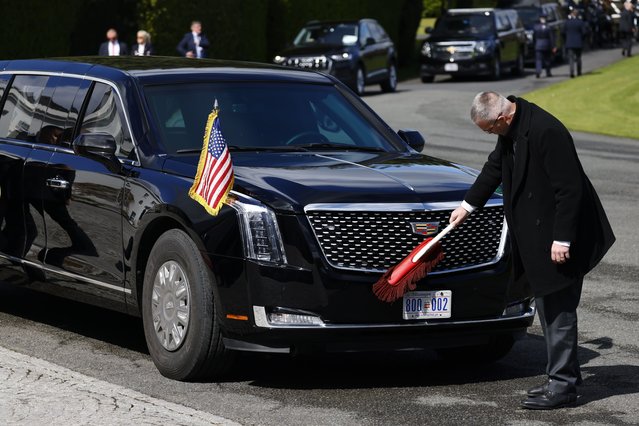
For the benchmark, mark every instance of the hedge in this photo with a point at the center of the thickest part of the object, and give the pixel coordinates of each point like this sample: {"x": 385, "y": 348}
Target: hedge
{"x": 238, "y": 29}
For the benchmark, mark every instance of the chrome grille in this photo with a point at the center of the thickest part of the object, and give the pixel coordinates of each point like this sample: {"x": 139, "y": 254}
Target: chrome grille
{"x": 376, "y": 241}
{"x": 455, "y": 52}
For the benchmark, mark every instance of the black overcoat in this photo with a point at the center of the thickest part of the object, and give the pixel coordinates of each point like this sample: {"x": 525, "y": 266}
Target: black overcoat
{"x": 547, "y": 197}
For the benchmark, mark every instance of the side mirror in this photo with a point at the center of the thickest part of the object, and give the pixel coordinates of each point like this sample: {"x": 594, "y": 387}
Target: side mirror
{"x": 100, "y": 147}
{"x": 369, "y": 41}
{"x": 428, "y": 30}
{"x": 413, "y": 138}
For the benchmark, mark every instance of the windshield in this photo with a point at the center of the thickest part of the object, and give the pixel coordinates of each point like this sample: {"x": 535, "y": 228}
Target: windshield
{"x": 259, "y": 116}
{"x": 529, "y": 16}
{"x": 471, "y": 24}
{"x": 331, "y": 34}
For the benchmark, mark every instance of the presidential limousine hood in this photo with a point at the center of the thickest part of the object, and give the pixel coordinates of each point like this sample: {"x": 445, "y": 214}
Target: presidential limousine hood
{"x": 288, "y": 181}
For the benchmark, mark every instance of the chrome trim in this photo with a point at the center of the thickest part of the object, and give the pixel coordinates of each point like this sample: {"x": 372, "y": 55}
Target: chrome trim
{"x": 65, "y": 273}
{"x": 392, "y": 207}
{"x": 529, "y": 313}
{"x": 91, "y": 78}
{"x": 404, "y": 207}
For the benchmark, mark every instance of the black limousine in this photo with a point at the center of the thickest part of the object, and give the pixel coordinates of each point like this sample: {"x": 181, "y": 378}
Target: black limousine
{"x": 97, "y": 156}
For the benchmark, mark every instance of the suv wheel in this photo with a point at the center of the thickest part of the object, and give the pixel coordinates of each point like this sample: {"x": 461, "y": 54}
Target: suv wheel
{"x": 390, "y": 85}
{"x": 496, "y": 72}
{"x": 181, "y": 329}
{"x": 360, "y": 81}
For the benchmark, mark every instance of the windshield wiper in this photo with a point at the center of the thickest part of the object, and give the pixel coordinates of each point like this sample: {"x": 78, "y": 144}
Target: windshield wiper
{"x": 337, "y": 146}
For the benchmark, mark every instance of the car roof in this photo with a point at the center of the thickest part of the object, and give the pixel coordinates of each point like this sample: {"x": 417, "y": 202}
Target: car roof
{"x": 158, "y": 69}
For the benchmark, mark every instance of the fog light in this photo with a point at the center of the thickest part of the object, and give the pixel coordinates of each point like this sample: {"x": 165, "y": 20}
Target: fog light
{"x": 516, "y": 309}
{"x": 284, "y": 318}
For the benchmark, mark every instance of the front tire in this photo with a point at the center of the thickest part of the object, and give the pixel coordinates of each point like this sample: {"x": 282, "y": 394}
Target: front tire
{"x": 496, "y": 71}
{"x": 180, "y": 324}
{"x": 360, "y": 81}
{"x": 518, "y": 69}
{"x": 390, "y": 85}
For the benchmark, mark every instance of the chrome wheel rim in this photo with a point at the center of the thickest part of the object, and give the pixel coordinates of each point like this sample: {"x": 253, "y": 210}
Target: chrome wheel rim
{"x": 171, "y": 305}
{"x": 360, "y": 81}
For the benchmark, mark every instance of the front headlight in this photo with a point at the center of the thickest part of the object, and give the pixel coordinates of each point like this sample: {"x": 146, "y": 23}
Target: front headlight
{"x": 260, "y": 232}
{"x": 481, "y": 47}
{"x": 426, "y": 49}
{"x": 279, "y": 59}
{"x": 342, "y": 57}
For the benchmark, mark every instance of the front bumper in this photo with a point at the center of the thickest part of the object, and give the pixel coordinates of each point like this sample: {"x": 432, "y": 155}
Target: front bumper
{"x": 482, "y": 65}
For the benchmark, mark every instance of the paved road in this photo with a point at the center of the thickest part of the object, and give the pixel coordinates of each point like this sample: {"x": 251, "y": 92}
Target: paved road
{"x": 63, "y": 363}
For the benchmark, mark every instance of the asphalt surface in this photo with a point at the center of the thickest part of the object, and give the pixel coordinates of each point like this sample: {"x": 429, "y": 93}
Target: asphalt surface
{"x": 62, "y": 362}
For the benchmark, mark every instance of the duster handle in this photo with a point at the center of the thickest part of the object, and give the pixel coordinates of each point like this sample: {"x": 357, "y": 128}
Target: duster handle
{"x": 432, "y": 242}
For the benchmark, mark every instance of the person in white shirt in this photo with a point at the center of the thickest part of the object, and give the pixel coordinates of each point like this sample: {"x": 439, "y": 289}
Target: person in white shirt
{"x": 194, "y": 44}
{"x": 113, "y": 47}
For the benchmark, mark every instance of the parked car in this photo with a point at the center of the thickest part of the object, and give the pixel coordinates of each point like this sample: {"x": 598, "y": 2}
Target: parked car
{"x": 359, "y": 53}
{"x": 474, "y": 42}
{"x": 555, "y": 19}
{"x": 97, "y": 156}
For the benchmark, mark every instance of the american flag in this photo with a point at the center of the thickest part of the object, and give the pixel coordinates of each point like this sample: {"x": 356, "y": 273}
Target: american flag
{"x": 214, "y": 177}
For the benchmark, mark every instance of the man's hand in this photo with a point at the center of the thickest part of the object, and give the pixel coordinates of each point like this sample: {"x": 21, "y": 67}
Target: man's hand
{"x": 559, "y": 254}
{"x": 458, "y": 216}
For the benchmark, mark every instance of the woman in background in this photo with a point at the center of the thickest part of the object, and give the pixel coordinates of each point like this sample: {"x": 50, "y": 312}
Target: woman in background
{"x": 143, "y": 46}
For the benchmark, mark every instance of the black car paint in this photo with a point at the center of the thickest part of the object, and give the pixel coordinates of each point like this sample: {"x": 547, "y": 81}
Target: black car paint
{"x": 123, "y": 213}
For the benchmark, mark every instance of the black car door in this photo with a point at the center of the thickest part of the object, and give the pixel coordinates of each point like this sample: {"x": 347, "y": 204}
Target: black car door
{"x": 82, "y": 198}
{"x": 508, "y": 38}
{"x": 372, "y": 52}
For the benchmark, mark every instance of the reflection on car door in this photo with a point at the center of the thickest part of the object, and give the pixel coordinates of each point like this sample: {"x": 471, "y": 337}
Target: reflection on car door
{"x": 508, "y": 37}
{"x": 374, "y": 54}
{"x": 82, "y": 201}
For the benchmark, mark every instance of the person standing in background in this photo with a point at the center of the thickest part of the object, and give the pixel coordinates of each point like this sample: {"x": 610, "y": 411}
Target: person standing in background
{"x": 194, "y": 44}
{"x": 143, "y": 47}
{"x": 544, "y": 46}
{"x": 574, "y": 32}
{"x": 627, "y": 28}
{"x": 113, "y": 47}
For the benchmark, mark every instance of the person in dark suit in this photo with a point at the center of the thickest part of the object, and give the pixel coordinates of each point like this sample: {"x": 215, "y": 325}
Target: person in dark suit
{"x": 574, "y": 31}
{"x": 194, "y": 44}
{"x": 557, "y": 226}
{"x": 627, "y": 28}
{"x": 113, "y": 47}
{"x": 143, "y": 47}
{"x": 544, "y": 40}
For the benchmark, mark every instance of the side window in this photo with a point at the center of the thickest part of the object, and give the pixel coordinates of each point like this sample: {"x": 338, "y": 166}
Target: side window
{"x": 58, "y": 123}
{"x": 4, "y": 80}
{"x": 364, "y": 34}
{"x": 103, "y": 115}
{"x": 503, "y": 24}
{"x": 24, "y": 108}
{"x": 380, "y": 34}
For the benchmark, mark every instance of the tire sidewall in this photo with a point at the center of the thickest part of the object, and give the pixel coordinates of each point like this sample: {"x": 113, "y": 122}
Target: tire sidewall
{"x": 187, "y": 360}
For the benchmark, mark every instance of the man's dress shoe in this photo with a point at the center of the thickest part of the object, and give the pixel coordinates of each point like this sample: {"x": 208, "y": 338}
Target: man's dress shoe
{"x": 538, "y": 390}
{"x": 549, "y": 401}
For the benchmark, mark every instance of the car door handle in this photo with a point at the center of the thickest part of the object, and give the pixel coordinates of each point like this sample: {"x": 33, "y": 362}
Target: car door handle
{"x": 58, "y": 183}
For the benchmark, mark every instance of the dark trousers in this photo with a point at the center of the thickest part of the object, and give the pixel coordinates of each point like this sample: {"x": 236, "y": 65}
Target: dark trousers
{"x": 542, "y": 59}
{"x": 558, "y": 317}
{"x": 626, "y": 41}
{"x": 574, "y": 58}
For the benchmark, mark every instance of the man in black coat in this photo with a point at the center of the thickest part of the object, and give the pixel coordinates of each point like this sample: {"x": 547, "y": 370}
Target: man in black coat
{"x": 557, "y": 226}
{"x": 574, "y": 32}
{"x": 544, "y": 40}
{"x": 627, "y": 28}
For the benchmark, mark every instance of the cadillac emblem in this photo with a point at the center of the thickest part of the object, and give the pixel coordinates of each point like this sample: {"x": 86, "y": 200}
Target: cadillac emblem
{"x": 425, "y": 228}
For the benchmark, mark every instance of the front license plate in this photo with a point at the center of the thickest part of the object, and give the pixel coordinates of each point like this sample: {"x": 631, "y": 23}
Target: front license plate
{"x": 451, "y": 67}
{"x": 427, "y": 304}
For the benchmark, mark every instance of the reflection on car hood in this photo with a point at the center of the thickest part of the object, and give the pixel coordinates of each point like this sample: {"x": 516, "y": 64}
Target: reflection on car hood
{"x": 314, "y": 50}
{"x": 291, "y": 180}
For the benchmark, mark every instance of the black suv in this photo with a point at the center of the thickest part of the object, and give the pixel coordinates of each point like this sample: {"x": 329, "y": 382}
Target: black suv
{"x": 97, "y": 156}
{"x": 555, "y": 19}
{"x": 358, "y": 53}
{"x": 474, "y": 42}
